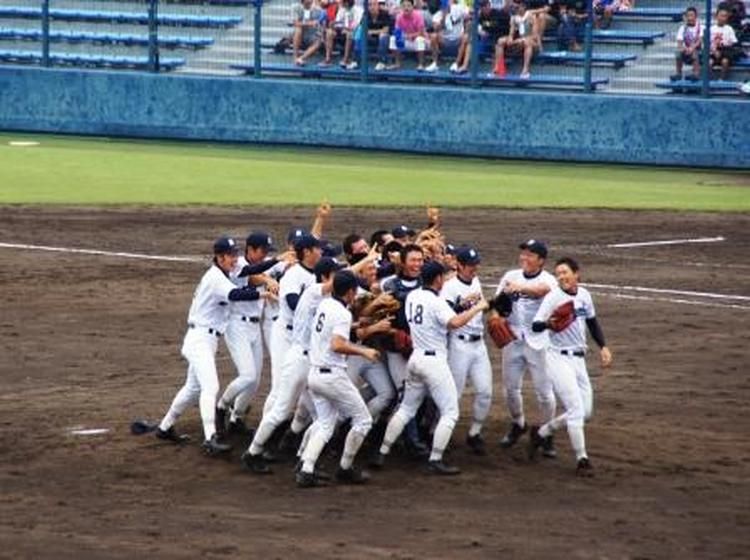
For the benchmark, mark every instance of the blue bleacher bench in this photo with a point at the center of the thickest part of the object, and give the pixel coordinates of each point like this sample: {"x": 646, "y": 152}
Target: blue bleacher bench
{"x": 742, "y": 63}
{"x": 313, "y": 71}
{"x": 687, "y": 86}
{"x": 674, "y": 14}
{"x": 133, "y": 18}
{"x": 127, "y": 39}
{"x": 100, "y": 61}
{"x": 564, "y": 57}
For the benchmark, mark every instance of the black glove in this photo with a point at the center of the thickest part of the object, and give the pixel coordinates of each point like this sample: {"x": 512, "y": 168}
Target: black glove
{"x": 503, "y": 304}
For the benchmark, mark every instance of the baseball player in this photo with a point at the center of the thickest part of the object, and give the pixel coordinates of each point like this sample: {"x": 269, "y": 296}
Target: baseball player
{"x": 207, "y": 321}
{"x": 467, "y": 352}
{"x": 332, "y": 391}
{"x": 526, "y": 287}
{"x": 565, "y": 359}
{"x": 430, "y": 318}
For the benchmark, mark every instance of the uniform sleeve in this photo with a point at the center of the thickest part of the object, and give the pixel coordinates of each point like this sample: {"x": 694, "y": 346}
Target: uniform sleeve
{"x": 342, "y": 324}
{"x": 590, "y": 311}
{"x": 546, "y": 308}
{"x": 222, "y": 286}
{"x": 502, "y": 284}
{"x": 443, "y": 312}
{"x": 448, "y": 293}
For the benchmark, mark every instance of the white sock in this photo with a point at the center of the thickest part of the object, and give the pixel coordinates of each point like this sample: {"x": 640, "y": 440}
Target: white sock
{"x": 577, "y": 441}
{"x": 441, "y": 439}
{"x": 395, "y": 427}
{"x": 312, "y": 451}
{"x": 208, "y": 414}
{"x": 353, "y": 442}
{"x": 262, "y": 434}
{"x": 475, "y": 429}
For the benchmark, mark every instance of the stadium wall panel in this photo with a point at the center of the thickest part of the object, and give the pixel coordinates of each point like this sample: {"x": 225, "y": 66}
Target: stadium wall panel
{"x": 463, "y": 121}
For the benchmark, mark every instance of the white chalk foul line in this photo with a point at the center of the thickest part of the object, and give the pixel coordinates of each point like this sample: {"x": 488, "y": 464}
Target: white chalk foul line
{"x": 667, "y": 242}
{"x": 709, "y": 295}
{"x": 674, "y": 300}
{"x": 124, "y": 255}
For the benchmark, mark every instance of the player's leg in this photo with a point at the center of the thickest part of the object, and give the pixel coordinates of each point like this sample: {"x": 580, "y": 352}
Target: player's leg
{"x": 185, "y": 397}
{"x": 543, "y": 389}
{"x": 377, "y": 377}
{"x": 584, "y": 386}
{"x": 279, "y": 347}
{"x": 514, "y": 364}
{"x": 323, "y": 428}
{"x": 349, "y": 403}
{"x": 441, "y": 388}
{"x": 238, "y": 343}
{"x": 242, "y": 402}
{"x": 480, "y": 373}
{"x": 414, "y": 394}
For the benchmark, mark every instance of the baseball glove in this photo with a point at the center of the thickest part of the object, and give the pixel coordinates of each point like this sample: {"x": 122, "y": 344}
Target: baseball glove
{"x": 380, "y": 307}
{"x": 503, "y": 304}
{"x": 562, "y": 317}
{"x": 500, "y": 331}
{"x": 402, "y": 342}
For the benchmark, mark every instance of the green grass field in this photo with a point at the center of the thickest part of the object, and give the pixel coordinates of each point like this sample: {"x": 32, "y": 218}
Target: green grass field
{"x": 101, "y": 171}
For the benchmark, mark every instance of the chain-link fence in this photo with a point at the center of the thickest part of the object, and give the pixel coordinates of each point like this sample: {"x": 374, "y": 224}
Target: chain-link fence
{"x": 613, "y": 46}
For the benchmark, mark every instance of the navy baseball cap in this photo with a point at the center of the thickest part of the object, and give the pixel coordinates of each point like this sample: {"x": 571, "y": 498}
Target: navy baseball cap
{"x": 431, "y": 270}
{"x": 399, "y": 232}
{"x": 344, "y": 281}
{"x": 260, "y": 239}
{"x": 294, "y": 234}
{"x": 450, "y": 249}
{"x": 325, "y": 266}
{"x": 225, "y": 245}
{"x": 468, "y": 255}
{"x": 329, "y": 249}
{"x": 306, "y": 241}
{"x": 535, "y": 246}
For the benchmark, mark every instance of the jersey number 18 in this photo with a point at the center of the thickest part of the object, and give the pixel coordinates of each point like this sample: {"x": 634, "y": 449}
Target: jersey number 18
{"x": 415, "y": 313}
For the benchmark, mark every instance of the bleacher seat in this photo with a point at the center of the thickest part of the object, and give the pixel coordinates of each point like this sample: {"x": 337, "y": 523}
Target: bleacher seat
{"x": 133, "y": 18}
{"x": 618, "y": 60}
{"x": 674, "y": 14}
{"x": 687, "y": 86}
{"x": 98, "y": 61}
{"x": 127, "y": 39}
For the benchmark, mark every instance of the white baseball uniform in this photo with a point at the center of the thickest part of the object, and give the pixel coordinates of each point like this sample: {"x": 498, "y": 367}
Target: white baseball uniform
{"x": 207, "y": 321}
{"x": 566, "y": 365}
{"x": 467, "y": 352}
{"x": 523, "y": 353}
{"x": 332, "y": 390}
{"x": 427, "y": 370}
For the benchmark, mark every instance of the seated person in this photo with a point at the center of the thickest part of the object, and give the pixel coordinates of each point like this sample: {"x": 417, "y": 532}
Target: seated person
{"x": 546, "y": 14}
{"x": 521, "y": 38}
{"x": 572, "y": 21}
{"x": 347, "y": 20}
{"x": 493, "y": 24}
{"x": 379, "y": 31}
{"x": 737, "y": 15}
{"x": 308, "y": 27}
{"x": 689, "y": 39}
{"x": 605, "y": 9}
{"x": 725, "y": 50}
{"x": 409, "y": 35}
{"x": 448, "y": 28}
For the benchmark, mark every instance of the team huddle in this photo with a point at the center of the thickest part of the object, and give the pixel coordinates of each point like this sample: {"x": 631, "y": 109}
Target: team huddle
{"x": 378, "y": 347}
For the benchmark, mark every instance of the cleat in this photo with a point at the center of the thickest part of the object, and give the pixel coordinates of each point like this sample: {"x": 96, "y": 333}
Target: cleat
{"x": 377, "y": 461}
{"x": 270, "y": 457}
{"x": 477, "y": 445}
{"x": 320, "y": 474}
{"x": 307, "y": 480}
{"x": 237, "y": 427}
{"x": 220, "y": 419}
{"x": 513, "y": 435}
{"x": 416, "y": 449}
{"x": 352, "y": 476}
{"x": 289, "y": 443}
{"x": 548, "y": 448}
{"x": 440, "y": 468}
{"x": 584, "y": 468}
{"x": 171, "y": 435}
{"x": 214, "y": 446}
{"x": 255, "y": 463}
{"x": 535, "y": 442}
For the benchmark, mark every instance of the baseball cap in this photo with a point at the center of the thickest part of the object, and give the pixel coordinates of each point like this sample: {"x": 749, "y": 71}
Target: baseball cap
{"x": 468, "y": 255}
{"x": 329, "y": 249}
{"x": 225, "y": 244}
{"x": 306, "y": 241}
{"x": 450, "y": 249}
{"x": 260, "y": 239}
{"x": 294, "y": 234}
{"x": 399, "y": 232}
{"x": 431, "y": 270}
{"x": 535, "y": 246}
{"x": 344, "y": 281}
{"x": 325, "y": 266}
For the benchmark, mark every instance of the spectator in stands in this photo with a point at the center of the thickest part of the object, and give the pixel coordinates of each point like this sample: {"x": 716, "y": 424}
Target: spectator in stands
{"x": 737, "y": 14}
{"x": 546, "y": 15}
{"x": 308, "y": 27}
{"x": 341, "y": 32}
{"x": 448, "y": 28}
{"x": 689, "y": 40}
{"x": 520, "y": 38}
{"x": 409, "y": 35}
{"x": 379, "y": 31}
{"x": 725, "y": 50}
{"x": 493, "y": 24}
{"x": 572, "y": 20}
{"x": 605, "y": 9}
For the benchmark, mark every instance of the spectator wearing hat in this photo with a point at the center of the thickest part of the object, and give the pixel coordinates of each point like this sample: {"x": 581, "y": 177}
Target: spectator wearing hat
{"x": 409, "y": 35}
{"x": 448, "y": 29}
{"x": 521, "y": 38}
{"x": 308, "y": 31}
{"x": 493, "y": 24}
{"x": 689, "y": 41}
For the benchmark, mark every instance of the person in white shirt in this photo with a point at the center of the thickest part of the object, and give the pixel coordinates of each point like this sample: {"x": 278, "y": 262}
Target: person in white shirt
{"x": 467, "y": 352}
{"x": 525, "y": 287}
{"x": 207, "y": 321}
{"x": 448, "y": 25}
{"x": 724, "y": 48}
{"x": 347, "y": 20}
{"x": 430, "y": 318}
{"x": 332, "y": 391}
{"x": 689, "y": 41}
{"x": 566, "y": 362}
{"x": 521, "y": 38}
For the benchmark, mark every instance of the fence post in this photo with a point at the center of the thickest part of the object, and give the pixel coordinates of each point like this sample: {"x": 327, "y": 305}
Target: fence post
{"x": 153, "y": 35}
{"x": 705, "y": 55}
{"x": 45, "y": 33}
{"x": 364, "y": 47}
{"x": 474, "y": 61}
{"x": 257, "y": 62}
{"x": 588, "y": 45}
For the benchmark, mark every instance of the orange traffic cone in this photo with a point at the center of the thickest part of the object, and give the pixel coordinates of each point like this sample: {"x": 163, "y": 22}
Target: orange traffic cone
{"x": 500, "y": 69}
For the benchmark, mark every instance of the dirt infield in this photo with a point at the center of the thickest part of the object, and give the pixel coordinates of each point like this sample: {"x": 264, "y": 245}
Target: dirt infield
{"x": 93, "y": 342}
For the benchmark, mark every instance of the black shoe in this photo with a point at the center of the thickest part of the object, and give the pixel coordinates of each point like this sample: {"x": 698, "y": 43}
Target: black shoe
{"x": 289, "y": 443}
{"x": 535, "y": 442}
{"x": 171, "y": 435}
{"x": 675, "y": 77}
{"x": 270, "y": 457}
{"x": 220, "y": 419}
{"x": 513, "y": 435}
{"x": 692, "y": 78}
{"x": 214, "y": 447}
{"x": 352, "y": 476}
{"x": 548, "y": 448}
{"x": 308, "y": 480}
{"x": 255, "y": 463}
{"x": 237, "y": 427}
{"x": 377, "y": 461}
{"x": 584, "y": 468}
{"x": 438, "y": 467}
{"x": 416, "y": 449}
{"x": 320, "y": 474}
{"x": 477, "y": 444}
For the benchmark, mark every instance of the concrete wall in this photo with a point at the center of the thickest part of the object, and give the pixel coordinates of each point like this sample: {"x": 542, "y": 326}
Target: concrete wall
{"x": 497, "y": 122}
